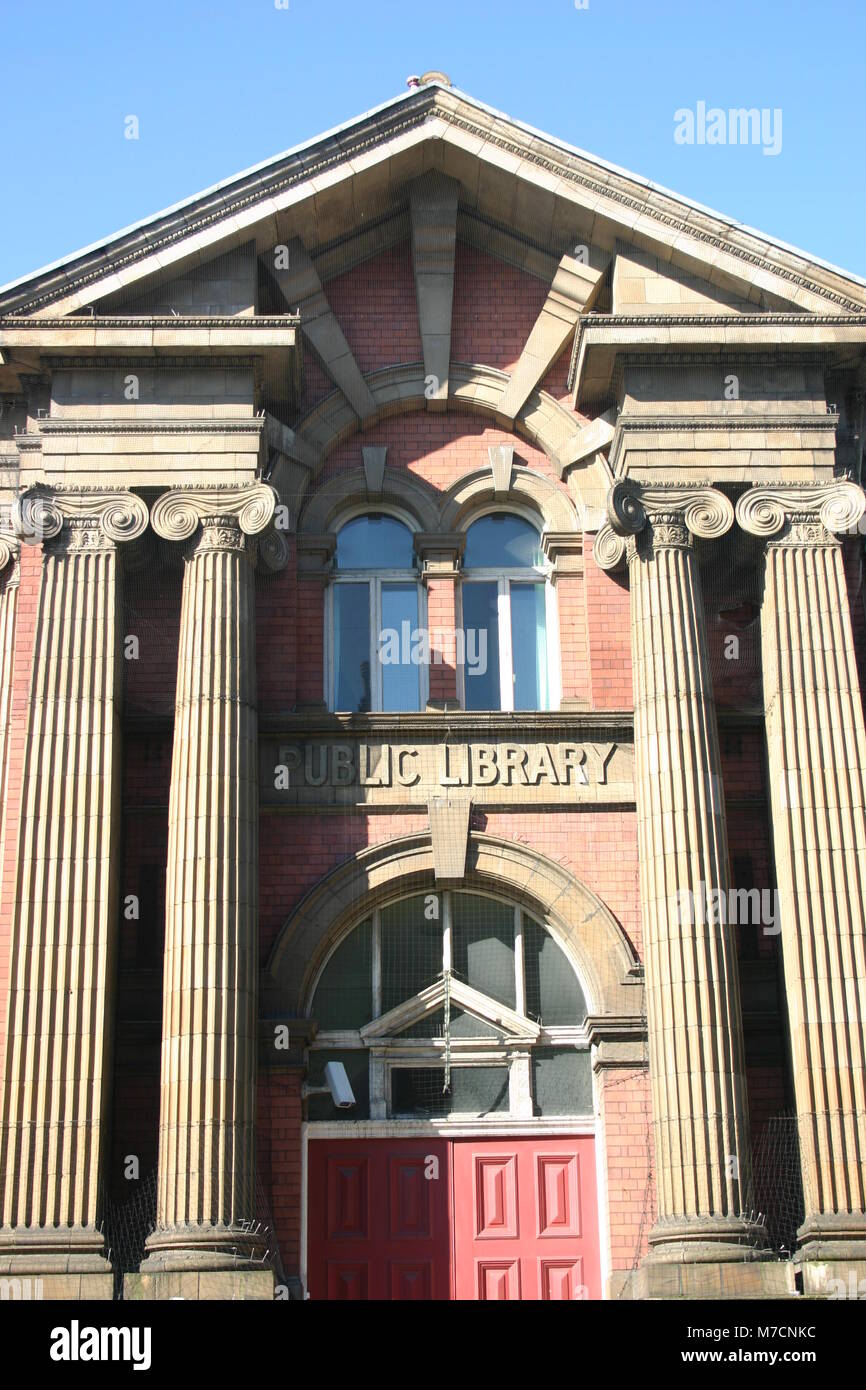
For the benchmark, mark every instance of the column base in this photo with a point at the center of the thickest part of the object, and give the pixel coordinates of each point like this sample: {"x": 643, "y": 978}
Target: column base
{"x": 55, "y": 1263}
{"x": 768, "y": 1278}
{"x": 199, "y": 1285}
{"x": 706, "y": 1240}
{"x": 203, "y": 1248}
{"x": 831, "y": 1255}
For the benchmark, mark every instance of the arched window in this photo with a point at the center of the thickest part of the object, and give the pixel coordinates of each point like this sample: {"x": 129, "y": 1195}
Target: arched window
{"x": 375, "y": 604}
{"x": 452, "y": 1004}
{"x": 505, "y": 598}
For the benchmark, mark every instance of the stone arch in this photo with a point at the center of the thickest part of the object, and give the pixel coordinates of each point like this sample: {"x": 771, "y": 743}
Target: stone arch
{"x": 474, "y": 493}
{"x": 336, "y": 496}
{"x": 542, "y": 421}
{"x": 581, "y": 923}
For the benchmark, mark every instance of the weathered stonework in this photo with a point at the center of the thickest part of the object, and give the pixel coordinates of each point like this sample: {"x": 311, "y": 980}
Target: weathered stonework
{"x": 434, "y": 314}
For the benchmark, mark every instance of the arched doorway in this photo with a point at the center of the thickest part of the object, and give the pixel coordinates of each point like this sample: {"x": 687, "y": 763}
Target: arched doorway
{"x": 462, "y": 1026}
{"x": 464, "y": 1017}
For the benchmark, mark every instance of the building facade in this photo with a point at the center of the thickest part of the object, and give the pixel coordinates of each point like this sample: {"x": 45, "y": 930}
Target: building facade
{"x": 432, "y": 645}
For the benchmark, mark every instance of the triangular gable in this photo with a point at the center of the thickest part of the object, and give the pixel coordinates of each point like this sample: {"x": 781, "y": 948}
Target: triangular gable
{"x": 426, "y": 1004}
{"x": 551, "y": 195}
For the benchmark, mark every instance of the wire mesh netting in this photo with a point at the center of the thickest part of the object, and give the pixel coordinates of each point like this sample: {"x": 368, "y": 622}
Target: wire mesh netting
{"x": 777, "y": 1180}
{"x": 128, "y": 1223}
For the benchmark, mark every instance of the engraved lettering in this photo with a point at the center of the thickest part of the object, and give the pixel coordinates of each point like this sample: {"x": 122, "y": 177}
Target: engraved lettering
{"x": 484, "y": 768}
{"x": 571, "y": 759}
{"x": 320, "y": 777}
{"x": 513, "y": 765}
{"x": 407, "y": 779}
{"x": 342, "y": 765}
{"x": 541, "y": 765}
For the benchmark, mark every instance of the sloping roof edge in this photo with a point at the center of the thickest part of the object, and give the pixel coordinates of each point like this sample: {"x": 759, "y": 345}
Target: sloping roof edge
{"x": 141, "y": 238}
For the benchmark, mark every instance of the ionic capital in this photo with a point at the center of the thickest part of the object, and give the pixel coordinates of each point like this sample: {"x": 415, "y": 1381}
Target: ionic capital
{"x": 667, "y": 516}
{"x": 179, "y": 513}
{"x": 793, "y": 514}
{"x": 80, "y": 518}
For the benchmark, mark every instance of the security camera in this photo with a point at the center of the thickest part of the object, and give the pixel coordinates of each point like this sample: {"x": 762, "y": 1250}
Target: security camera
{"x": 337, "y": 1082}
{"x": 336, "y": 1086}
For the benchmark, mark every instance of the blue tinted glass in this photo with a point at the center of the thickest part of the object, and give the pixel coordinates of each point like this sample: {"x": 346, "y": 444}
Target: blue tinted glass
{"x": 374, "y": 543}
{"x": 501, "y": 541}
{"x": 481, "y": 646}
{"x": 529, "y": 646}
{"x": 398, "y": 643}
{"x": 352, "y": 647}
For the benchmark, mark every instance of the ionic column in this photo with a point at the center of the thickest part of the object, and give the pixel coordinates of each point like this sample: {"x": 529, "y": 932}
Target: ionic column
{"x": 693, "y": 1003}
{"x": 57, "y": 1070}
{"x": 206, "y": 1184}
{"x": 817, "y": 755}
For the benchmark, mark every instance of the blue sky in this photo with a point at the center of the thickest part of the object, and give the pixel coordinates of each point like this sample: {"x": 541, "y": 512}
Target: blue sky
{"x": 218, "y": 85}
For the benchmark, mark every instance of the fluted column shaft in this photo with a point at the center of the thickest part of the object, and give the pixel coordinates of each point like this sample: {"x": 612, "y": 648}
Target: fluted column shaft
{"x": 58, "y": 1059}
{"x": 694, "y": 1020}
{"x": 206, "y": 1185}
{"x": 817, "y": 756}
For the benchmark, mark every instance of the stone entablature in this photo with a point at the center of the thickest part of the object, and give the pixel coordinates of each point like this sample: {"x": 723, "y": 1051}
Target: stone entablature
{"x": 555, "y": 762}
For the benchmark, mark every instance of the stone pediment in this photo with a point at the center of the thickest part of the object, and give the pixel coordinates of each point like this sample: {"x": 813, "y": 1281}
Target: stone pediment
{"x": 525, "y": 196}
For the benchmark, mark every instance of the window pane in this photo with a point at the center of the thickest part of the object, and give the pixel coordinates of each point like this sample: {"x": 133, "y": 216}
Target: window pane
{"x": 561, "y": 1081}
{"x": 417, "y": 1091}
{"x": 553, "y": 992}
{"x": 529, "y": 646}
{"x": 352, "y": 647}
{"x": 374, "y": 543}
{"x": 344, "y": 994}
{"x": 411, "y": 951}
{"x": 357, "y": 1066}
{"x": 481, "y": 646}
{"x": 482, "y": 945}
{"x": 400, "y": 674}
{"x": 502, "y": 541}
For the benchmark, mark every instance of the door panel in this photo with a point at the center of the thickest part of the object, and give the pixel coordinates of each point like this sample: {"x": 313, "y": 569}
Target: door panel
{"x": 535, "y": 1198}
{"x": 490, "y": 1219}
{"x": 379, "y": 1227}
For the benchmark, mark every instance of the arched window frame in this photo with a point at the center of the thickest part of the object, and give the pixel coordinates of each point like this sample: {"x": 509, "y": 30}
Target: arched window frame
{"x": 389, "y": 1052}
{"x": 375, "y": 579}
{"x": 504, "y": 578}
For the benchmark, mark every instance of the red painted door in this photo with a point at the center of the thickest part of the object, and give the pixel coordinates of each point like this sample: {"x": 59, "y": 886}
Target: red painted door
{"x": 465, "y": 1218}
{"x": 525, "y": 1219}
{"x": 379, "y": 1219}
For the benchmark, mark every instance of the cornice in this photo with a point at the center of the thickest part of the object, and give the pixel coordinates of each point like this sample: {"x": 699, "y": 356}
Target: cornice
{"x": 70, "y": 424}
{"x": 233, "y": 321}
{"x": 614, "y": 323}
{"x": 694, "y": 423}
{"x": 453, "y": 724}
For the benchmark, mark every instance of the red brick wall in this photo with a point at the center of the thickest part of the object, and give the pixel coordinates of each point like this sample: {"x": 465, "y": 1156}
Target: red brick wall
{"x": 442, "y": 619}
{"x": 608, "y": 627}
{"x": 495, "y": 306}
{"x": 625, "y": 1106}
{"x": 376, "y": 309}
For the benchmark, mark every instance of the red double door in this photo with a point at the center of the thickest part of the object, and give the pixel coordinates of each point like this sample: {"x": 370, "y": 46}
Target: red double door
{"x": 456, "y": 1218}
